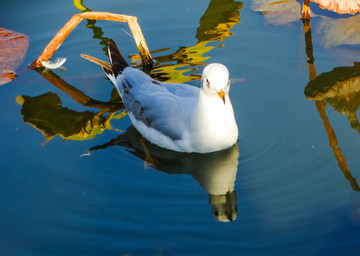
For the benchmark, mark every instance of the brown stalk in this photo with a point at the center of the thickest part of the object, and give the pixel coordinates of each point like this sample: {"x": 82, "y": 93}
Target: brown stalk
{"x": 305, "y": 10}
{"x": 59, "y": 38}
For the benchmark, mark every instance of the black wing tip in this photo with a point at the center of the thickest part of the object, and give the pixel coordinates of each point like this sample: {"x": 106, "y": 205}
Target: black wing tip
{"x": 117, "y": 61}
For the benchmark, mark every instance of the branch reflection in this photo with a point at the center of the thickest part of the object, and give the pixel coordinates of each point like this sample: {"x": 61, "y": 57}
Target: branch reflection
{"x": 215, "y": 172}
{"x": 341, "y": 89}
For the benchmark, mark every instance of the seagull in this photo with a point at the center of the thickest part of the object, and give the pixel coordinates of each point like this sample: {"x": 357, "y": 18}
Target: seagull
{"x": 178, "y": 117}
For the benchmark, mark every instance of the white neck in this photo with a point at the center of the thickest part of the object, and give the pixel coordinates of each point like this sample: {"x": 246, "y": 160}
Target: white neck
{"x": 215, "y": 120}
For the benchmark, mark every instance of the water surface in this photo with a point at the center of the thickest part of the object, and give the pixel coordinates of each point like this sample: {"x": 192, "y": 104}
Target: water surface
{"x": 73, "y": 178}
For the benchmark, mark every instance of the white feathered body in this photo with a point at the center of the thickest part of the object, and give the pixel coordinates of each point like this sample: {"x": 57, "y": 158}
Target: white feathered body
{"x": 178, "y": 117}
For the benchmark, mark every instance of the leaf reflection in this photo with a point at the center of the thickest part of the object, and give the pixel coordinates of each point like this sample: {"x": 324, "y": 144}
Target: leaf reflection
{"x": 336, "y": 32}
{"x": 330, "y": 32}
{"x": 215, "y": 172}
{"x": 277, "y": 12}
{"x": 46, "y": 113}
{"x": 215, "y": 24}
{"x": 98, "y": 33}
{"x": 341, "y": 89}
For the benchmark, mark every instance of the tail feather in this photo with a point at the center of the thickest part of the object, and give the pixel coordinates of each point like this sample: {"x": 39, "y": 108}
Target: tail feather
{"x": 117, "y": 61}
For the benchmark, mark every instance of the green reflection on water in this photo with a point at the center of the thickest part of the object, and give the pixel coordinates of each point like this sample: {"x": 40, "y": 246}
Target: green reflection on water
{"x": 215, "y": 25}
{"x": 98, "y": 33}
{"x": 46, "y": 113}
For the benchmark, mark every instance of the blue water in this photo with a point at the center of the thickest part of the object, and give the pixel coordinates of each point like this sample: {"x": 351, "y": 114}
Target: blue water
{"x": 281, "y": 186}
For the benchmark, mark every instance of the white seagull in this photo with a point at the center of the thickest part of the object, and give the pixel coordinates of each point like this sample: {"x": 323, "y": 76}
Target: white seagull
{"x": 178, "y": 117}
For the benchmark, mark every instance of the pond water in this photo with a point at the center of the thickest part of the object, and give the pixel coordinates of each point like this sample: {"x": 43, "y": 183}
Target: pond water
{"x": 73, "y": 179}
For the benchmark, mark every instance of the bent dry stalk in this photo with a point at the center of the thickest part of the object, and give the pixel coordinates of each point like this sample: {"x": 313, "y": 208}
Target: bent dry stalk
{"x": 59, "y": 38}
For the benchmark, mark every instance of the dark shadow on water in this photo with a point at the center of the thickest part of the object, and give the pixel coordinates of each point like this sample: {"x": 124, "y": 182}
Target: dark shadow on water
{"x": 215, "y": 172}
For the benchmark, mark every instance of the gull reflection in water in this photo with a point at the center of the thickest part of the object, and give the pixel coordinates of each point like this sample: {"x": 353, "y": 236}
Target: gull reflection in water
{"x": 215, "y": 172}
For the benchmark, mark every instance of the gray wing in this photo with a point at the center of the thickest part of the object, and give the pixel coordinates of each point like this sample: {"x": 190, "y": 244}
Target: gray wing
{"x": 165, "y": 107}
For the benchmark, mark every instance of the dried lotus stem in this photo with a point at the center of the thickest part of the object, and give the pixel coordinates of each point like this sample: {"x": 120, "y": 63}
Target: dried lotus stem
{"x": 59, "y": 38}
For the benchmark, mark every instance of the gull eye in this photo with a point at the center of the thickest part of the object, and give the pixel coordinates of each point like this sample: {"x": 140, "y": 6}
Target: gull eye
{"x": 207, "y": 83}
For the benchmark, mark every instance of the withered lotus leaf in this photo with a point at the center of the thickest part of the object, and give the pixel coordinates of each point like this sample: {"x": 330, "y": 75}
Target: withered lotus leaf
{"x": 13, "y": 47}
{"x": 340, "y": 6}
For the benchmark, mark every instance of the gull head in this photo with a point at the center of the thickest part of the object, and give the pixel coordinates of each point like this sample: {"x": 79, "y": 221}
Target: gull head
{"x": 215, "y": 81}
